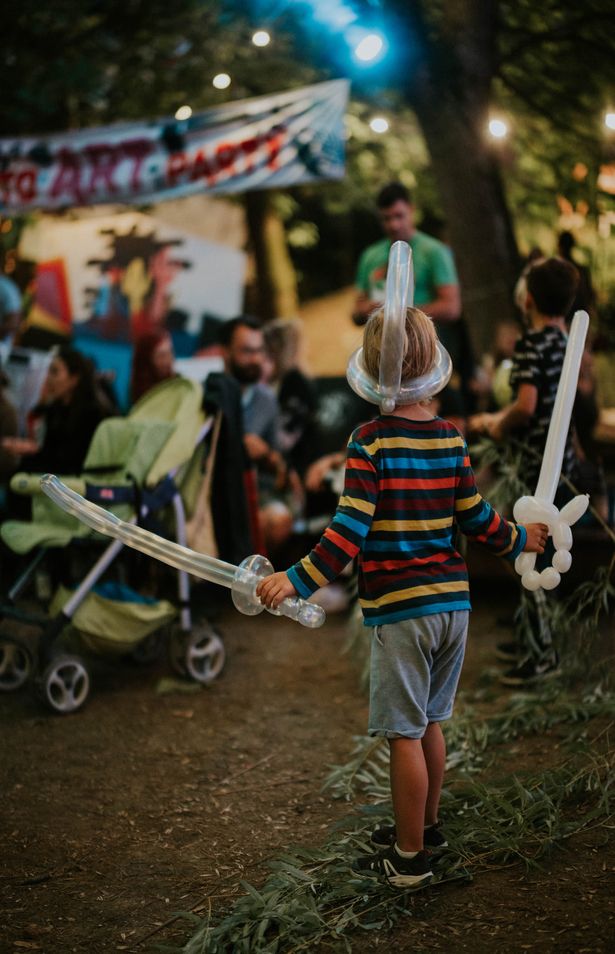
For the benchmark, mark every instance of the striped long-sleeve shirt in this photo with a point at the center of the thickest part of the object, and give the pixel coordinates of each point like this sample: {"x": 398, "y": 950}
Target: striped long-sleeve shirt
{"x": 408, "y": 484}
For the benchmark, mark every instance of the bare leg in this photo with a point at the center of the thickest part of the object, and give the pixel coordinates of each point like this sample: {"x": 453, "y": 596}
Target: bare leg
{"x": 434, "y": 751}
{"x": 409, "y": 785}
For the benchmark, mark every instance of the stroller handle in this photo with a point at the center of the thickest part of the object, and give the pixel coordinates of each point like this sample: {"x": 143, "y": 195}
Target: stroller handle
{"x": 241, "y": 580}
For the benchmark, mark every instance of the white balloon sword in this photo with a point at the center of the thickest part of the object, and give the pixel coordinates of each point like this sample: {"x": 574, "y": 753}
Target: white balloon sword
{"x": 241, "y": 580}
{"x": 540, "y": 508}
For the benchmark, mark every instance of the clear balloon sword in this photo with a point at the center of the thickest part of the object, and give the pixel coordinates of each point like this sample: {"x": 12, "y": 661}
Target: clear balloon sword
{"x": 540, "y": 508}
{"x": 241, "y": 580}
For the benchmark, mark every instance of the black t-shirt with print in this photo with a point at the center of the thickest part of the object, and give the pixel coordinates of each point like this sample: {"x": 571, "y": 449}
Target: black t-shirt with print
{"x": 538, "y": 360}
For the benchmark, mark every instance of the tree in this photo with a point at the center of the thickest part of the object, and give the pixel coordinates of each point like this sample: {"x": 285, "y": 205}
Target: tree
{"x": 87, "y": 63}
{"x": 78, "y": 64}
{"x": 469, "y": 53}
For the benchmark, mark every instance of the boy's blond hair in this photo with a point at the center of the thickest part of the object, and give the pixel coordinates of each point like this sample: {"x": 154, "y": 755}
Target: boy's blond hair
{"x": 419, "y": 347}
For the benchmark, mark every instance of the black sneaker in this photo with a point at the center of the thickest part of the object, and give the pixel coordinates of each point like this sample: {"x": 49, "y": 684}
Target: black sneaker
{"x": 432, "y": 837}
{"x": 531, "y": 671}
{"x": 397, "y": 871}
{"x": 508, "y": 652}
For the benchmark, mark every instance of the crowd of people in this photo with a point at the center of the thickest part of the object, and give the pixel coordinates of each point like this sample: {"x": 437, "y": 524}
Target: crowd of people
{"x": 407, "y": 484}
{"x": 272, "y": 404}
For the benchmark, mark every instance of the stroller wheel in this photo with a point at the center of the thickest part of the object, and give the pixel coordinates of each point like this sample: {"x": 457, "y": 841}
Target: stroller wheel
{"x": 65, "y": 684}
{"x": 15, "y": 664}
{"x": 149, "y": 649}
{"x": 204, "y": 654}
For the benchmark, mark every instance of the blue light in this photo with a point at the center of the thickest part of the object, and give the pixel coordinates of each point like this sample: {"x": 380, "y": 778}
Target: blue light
{"x": 333, "y": 13}
{"x": 360, "y": 35}
{"x": 370, "y": 48}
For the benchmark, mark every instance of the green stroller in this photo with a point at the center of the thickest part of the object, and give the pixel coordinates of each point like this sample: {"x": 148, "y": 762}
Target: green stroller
{"x": 157, "y": 462}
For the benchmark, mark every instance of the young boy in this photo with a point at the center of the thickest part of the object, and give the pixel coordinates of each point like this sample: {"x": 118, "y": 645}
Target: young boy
{"x": 536, "y": 369}
{"x": 408, "y": 483}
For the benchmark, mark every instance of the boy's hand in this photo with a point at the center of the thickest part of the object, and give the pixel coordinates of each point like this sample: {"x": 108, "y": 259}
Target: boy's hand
{"x": 537, "y": 534}
{"x": 275, "y": 588}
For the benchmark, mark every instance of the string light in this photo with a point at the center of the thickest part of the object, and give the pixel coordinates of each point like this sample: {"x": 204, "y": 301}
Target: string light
{"x": 261, "y": 38}
{"x": 498, "y": 128}
{"x": 369, "y": 48}
{"x": 221, "y": 81}
{"x": 379, "y": 124}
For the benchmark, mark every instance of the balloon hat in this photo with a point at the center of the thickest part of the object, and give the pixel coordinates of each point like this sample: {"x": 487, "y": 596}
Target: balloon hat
{"x": 390, "y": 390}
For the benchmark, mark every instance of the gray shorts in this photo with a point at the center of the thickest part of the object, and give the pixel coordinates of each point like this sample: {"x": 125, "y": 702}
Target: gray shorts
{"x": 415, "y": 668}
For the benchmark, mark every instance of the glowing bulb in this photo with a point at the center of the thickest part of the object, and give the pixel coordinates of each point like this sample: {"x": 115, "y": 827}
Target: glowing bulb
{"x": 184, "y": 112}
{"x": 261, "y": 38}
{"x": 498, "y": 128}
{"x": 221, "y": 81}
{"x": 379, "y": 124}
{"x": 609, "y": 120}
{"x": 369, "y": 48}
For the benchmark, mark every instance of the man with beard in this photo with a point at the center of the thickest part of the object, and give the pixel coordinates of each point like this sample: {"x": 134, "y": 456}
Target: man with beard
{"x": 244, "y": 356}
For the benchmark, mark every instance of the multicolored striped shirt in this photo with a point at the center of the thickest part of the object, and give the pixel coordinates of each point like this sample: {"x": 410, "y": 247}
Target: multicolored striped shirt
{"x": 408, "y": 486}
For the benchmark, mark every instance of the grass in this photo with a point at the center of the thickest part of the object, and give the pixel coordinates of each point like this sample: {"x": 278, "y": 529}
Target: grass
{"x": 312, "y": 896}
{"x": 493, "y": 818}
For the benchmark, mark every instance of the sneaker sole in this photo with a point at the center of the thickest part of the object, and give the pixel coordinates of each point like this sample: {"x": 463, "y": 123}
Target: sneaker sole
{"x": 396, "y": 880}
{"x": 408, "y": 881}
{"x": 389, "y": 844}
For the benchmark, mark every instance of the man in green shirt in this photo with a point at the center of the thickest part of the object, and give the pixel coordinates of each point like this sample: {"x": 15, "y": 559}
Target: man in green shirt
{"x": 436, "y": 287}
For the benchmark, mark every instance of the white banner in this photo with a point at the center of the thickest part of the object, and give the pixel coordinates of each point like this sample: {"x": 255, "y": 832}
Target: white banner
{"x": 266, "y": 142}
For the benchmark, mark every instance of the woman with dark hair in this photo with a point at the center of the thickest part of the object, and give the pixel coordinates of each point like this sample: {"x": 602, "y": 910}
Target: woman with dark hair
{"x": 66, "y": 417}
{"x": 152, "y": 362}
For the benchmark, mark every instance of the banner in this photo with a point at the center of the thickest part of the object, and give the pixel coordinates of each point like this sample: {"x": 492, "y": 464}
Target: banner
{"x": 266, "y": 142}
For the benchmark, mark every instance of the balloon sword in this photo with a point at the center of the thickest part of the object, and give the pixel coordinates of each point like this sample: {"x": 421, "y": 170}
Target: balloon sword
{"x": 241, "y": 580}
{"x": 540, "y": 507}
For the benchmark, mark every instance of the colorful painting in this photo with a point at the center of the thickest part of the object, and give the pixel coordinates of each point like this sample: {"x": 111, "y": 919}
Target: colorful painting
{"x": 116, "y": 277}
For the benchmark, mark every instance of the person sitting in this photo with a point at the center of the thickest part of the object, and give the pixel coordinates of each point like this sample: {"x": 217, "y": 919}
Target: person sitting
{"x": 66, "y": 417}
{"x": 152, "y": 362}
{"x": 64, "y": 421}
{"x": 243, "y": 346}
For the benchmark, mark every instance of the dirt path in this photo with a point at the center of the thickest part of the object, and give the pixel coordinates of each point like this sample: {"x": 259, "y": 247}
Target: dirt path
{"x": 144, "y": 804}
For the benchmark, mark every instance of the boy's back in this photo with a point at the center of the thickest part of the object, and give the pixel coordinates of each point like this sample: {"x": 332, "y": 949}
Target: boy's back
{"x": 408, "y": 483}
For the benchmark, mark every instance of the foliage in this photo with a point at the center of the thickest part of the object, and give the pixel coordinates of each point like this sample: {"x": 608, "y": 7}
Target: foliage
{"x": 78, "y": 64}
{"x": 540, "y": 49}
{"x": 576, "y": 618}
{"x": 75, "y": 64}
{"x": 312, "y": 895}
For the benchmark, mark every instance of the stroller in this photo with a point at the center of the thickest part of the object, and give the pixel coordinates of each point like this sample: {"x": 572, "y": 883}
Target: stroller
{"x": 156, "y": 461}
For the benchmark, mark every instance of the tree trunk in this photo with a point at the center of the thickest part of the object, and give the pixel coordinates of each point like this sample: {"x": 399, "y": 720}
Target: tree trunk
{"x": 449, "y": 88}
{"x": 275, "y": 290}
{"x": 477, "y": 215}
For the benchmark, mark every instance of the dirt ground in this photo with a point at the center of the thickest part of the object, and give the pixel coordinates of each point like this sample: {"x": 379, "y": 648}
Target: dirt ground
{"x": 146, "y": 803}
